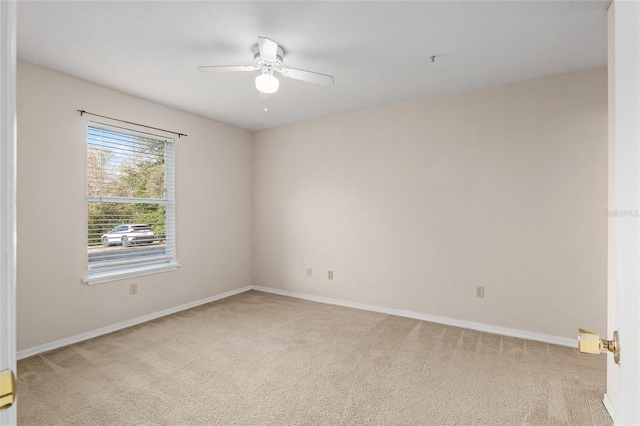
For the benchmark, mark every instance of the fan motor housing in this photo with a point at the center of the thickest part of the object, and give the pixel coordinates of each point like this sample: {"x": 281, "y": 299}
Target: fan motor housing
{"x": 259, "y": 61}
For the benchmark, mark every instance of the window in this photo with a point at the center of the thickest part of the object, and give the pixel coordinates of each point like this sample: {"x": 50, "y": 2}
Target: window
{"x": 131, "y": 203}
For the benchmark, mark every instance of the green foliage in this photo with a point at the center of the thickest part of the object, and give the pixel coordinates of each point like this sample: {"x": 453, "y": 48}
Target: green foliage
{"x": 156, "y": 219}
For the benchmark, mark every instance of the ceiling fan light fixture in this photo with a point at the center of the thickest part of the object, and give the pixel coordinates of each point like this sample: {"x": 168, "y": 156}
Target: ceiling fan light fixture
{"x": 267, "y": 57}
{"x": 266, "y": 82}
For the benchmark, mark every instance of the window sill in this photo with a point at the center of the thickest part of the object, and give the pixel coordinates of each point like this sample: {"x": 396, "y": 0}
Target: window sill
{"x": 123, "y": 274}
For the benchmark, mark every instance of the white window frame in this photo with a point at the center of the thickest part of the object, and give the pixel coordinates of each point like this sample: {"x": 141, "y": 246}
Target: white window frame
{"x": 101, "y": 272}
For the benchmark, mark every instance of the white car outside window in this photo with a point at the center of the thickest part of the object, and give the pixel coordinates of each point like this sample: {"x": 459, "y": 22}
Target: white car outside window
{"x": 128, "y": 234}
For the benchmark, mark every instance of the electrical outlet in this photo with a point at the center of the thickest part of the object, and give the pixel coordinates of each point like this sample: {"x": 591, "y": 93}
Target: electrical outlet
{"x": 309, "y": 272}
{"x": 133, "y": 288}
{"x": 330, "y": 275}
{"x": 480, "y": 291}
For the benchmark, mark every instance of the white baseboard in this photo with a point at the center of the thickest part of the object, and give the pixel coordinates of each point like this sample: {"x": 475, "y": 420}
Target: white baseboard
{"x": 119, "y": 326}
{"x": 522, "y": 334}
{"x": 608, "y": 404}
{"x": 529, "y": 335}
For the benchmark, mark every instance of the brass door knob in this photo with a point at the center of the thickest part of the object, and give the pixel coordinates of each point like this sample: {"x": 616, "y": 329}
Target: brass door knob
{"x": 7, "y": 389}
{"x": 591, "y": 343}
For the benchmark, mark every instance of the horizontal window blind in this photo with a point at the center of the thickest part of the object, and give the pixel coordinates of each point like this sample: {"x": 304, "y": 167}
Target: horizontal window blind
{"x": 130, "y": 199}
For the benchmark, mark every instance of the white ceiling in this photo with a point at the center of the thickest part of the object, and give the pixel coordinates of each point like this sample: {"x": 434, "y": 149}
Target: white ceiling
{"x": 377, "y": 51}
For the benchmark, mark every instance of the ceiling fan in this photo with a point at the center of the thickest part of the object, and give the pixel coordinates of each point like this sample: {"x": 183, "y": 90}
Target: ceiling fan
{"x": 267, "y": 57}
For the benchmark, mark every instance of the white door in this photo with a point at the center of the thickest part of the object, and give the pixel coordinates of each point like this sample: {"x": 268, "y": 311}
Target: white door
{"x": 7, "y": 197}
{"x": 623, "y": 380}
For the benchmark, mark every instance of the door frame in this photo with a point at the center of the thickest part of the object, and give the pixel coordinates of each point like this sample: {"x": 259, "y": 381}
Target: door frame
{"x": 8, "y": 196}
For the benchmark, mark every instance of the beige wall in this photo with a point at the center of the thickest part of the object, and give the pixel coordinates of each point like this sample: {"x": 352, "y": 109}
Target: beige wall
{"x": 414, "y": 205}
{"x": 213, "y": 178}
{"x": 411, "y": 205}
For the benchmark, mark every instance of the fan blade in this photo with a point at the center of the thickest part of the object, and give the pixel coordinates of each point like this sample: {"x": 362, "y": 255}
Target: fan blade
{"x": 225, "y": 68}
{"x": 311, "y": 77}
{"x": 268, "y": 49}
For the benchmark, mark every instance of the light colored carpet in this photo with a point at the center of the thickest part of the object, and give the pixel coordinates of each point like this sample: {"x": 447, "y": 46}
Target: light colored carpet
{"x": 257, "y": 359}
